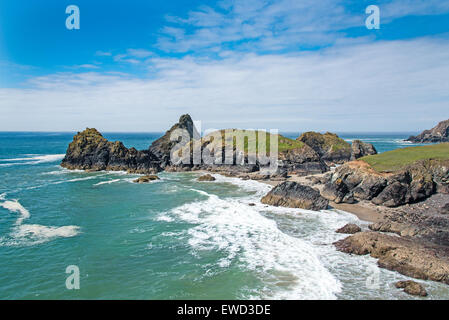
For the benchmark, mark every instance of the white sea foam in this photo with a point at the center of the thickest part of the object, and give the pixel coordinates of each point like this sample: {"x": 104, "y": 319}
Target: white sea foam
{"x": 31, "y": 234}
{"x": 289, "y": 266}
{"x": 15, "y": 206}
{"x": 106, "y": 182}
{"x": 34, "y": 160}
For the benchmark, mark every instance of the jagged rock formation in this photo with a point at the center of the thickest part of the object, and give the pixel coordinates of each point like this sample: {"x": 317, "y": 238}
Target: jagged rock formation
{"x": 404, "y": 255}
{"x": 349, "y": 228}
{"x": 89, "y": 150}
{"x": 440, "y": 133}
{"x": 329, "y": 146}
{"x": 163, "y": 146}
{"x": 293, "y": 195}
{"x": 360, "y": 149}
{"x": 358, "y": 181}
{"x": 302, "y": 161}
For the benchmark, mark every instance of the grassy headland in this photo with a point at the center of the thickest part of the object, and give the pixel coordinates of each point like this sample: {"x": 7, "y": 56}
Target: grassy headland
{"x": 397, "y": 159}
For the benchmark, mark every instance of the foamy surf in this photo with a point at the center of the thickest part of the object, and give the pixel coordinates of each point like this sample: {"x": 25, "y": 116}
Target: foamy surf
{"x": 106, "y": 182}
{"x": 289, "y": 266}
{"x": 31, "y": 234}
{"x": 16, "y": 207}
{"x": 33, "y": 160}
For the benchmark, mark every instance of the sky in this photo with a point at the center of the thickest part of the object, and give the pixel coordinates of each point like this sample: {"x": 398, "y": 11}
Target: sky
{"x": 291, "y": 65}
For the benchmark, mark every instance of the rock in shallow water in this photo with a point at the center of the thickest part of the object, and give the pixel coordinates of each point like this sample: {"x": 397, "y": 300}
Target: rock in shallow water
{"x": 406, "y": 256}
{"x": 146, "y": 179}
{"x": 206, "y": 177}
{"x": 350, "y": 228}
{"x": 294, "y": 195}
{"x": 411, "y": 287}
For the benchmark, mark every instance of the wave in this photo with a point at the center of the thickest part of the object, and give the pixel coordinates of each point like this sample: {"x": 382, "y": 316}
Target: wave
{"x": 15, "y": 206}
{"x": 289, "y": 267}
{"x": 32, "y": 160}
{"x": 107, "y": 182}
{"x": 31, "y": 234}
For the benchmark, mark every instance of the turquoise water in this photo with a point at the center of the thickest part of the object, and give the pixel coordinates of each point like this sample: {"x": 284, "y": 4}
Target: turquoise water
{"x": 173, "y": 239}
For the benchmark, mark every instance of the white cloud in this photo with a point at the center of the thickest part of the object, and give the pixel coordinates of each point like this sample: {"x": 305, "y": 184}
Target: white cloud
{"x": 383, "y": 86}
{"x": 264, "y": 25}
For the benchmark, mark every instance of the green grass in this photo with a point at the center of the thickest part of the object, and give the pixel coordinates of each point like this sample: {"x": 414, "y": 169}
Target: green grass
{"x": 250, "y": 140}
{"x": 397, "y": 159}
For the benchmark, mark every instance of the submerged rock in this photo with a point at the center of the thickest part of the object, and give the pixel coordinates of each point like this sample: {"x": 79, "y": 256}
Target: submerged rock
{"x": 206, "y": 177}
{"x": 293, "y": 195}
{"x": 406, "y": 256}
{"x": 440, "y": 133}
{"x": 350, "y": 228}
{"x": 412, "y": 288}
{"x": 89, "y": 150}
{"x": 146, "y": 179}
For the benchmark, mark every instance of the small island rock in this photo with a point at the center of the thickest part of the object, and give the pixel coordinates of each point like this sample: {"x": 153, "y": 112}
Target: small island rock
{"x": 350, "y": 228}
{"x": 206, "y": 177}
{"x": 412, "y": 288}
{"x": 294, "y": 195}
{"x": 146, "y": 179}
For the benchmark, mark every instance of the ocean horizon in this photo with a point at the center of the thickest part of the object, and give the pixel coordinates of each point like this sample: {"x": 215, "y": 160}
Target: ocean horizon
{"x": 175, "y": 238}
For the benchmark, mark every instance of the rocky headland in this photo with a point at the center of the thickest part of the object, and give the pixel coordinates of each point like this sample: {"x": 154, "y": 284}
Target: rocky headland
{"x": 440, "y": 133}
{"x": 404, "y": 192}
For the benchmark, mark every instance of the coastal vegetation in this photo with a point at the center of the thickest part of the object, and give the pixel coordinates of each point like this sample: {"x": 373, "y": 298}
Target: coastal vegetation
{"x": 398, "y": 159}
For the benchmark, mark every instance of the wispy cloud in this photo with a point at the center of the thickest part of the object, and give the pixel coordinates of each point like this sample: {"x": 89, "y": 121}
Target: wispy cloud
{"x": 264, "y": 25}
{"x": 370, "y": 86}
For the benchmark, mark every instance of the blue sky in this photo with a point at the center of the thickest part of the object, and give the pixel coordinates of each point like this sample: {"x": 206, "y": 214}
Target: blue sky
{"x": 293, "y": 65}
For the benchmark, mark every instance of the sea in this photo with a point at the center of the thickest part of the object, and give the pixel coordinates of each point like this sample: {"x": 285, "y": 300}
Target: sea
{"x": 175, "y": 238}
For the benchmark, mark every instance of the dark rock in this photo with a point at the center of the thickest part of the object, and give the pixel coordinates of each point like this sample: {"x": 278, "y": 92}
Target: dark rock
{"x": 440, "y": 133}
{"x": 335, "y": 191}
{"x": 412, "y": 288}
{"x": 146, "y": 179}
{"x": 293, "y": 195}
{"x": 329, "y": 146}
{"x": 404, "y": 255}
{"x": 302, "y": 161}
{"x": 350, "y": 228}
{"x": 411, "y": 184}
{"x": 206, "y": 177}
{"x": 361, "y": 149}
{"x": 89, "y": 150}
{"x": 252, "y": 204}
{"x": 164, "y": 146}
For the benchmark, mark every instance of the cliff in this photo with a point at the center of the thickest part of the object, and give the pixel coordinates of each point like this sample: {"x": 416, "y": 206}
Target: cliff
{"x": 440, "y": 133}
{"x": 89, "y": 150}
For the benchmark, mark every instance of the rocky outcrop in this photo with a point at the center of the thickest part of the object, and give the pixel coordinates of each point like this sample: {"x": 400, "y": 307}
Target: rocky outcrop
{"x": 356, "y": 180}
{"x": 404, "y": 255}
{"x": 302, "y": 161}
{"x": 293, "y": 195}
{"x": 182, "y": 133}
{"x": 89, "y": 150}
{"x": 440, "y": 133}
{"x": 329, "y": 146}
{"x": 412, "y": 288}
{"x": 350, "y": 228}
{"x": 206, "y": 177}
{"x": 146, "y": 179}
{"x": 361, "y": 149}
